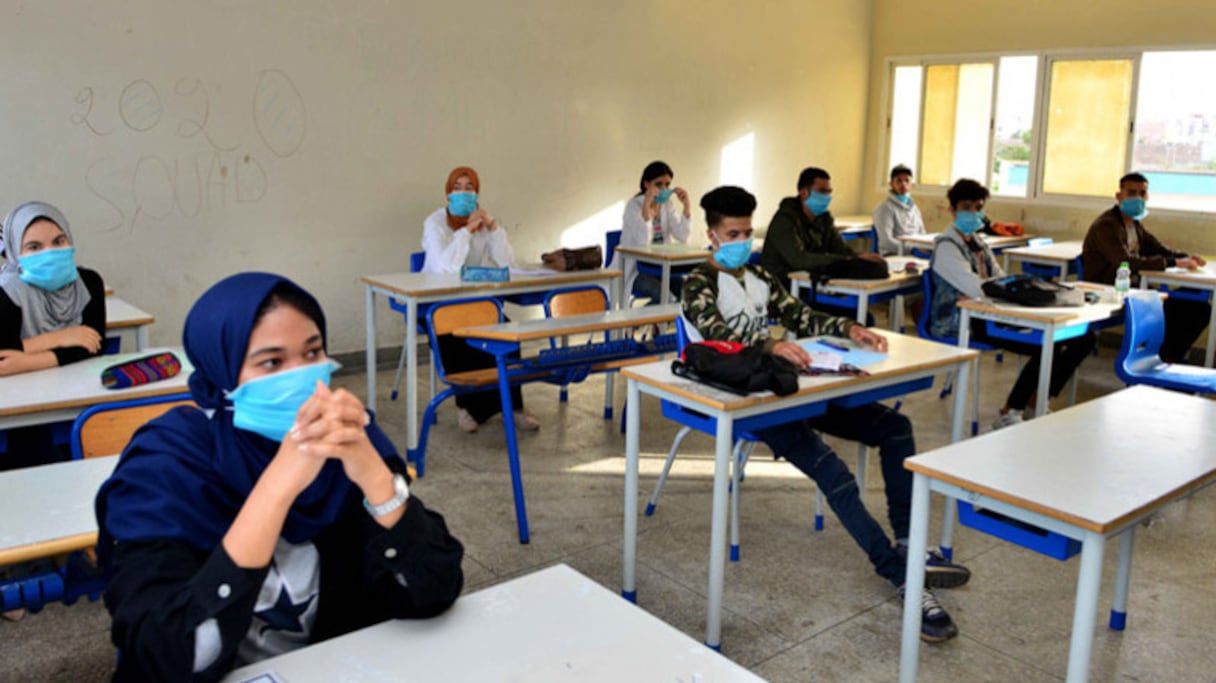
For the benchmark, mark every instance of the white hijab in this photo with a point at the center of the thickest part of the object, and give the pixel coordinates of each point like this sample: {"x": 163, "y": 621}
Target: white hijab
{"x": 41, "y": 311}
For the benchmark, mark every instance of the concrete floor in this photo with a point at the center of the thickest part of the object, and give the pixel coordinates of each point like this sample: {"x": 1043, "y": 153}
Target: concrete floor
{"x": 800, "y": 605}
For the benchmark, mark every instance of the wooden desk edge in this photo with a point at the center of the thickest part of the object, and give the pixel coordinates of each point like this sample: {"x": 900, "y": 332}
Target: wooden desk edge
{"x": 91, "y": 401}
{"x": 976, "y": 305}
{"x": 472, "y": 288}
{"x": 665, "y": 255}
{"x": 44, "y": 549}
{"x": 132, "y": 322}
{"x": 749, "y": 401}
{"x": 487, "y": 332}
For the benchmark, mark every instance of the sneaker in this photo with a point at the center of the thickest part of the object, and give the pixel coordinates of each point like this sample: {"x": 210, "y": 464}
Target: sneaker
{"x": 939, "y": 572}
{"x": 1008, "y": 419}
{"x": 525, "y": 421}
{"x": 936, "y": 626}
{"x": 465, "y": 421}
{"x": 1028, "y": 414}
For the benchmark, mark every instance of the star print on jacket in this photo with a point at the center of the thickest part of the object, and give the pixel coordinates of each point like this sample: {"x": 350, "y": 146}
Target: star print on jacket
{"x": 286, "y": 609}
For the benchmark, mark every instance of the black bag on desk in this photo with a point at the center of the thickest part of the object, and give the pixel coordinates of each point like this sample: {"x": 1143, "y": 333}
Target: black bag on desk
{"x": 852, "y": 269}
{"x": 736, "y": 368}
{"x": 1032, "y": 290}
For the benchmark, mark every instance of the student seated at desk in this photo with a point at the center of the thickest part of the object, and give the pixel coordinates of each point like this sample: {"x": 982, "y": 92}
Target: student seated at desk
{"x": 652, "y": 218}
{"x": 728, "y": 300}
{"x": 1117, "y": 236}
{"x": 898, "y": 214}
{"x": 463, "y": 234}
{"x": 51, "y": 312}
{"x": 274, "y": 515}
{"x": 802, "y": 234}
{"x": 962, "y": 261}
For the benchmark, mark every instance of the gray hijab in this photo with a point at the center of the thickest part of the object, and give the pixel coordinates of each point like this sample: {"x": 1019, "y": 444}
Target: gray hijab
{"x": 41, "y": 311}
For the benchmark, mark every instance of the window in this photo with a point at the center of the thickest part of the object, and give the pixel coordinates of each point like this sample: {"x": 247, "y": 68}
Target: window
{"x": 1063, "y": 125}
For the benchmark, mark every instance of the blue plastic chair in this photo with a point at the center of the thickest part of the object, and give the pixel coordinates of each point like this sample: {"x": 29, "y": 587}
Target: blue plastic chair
{"x": 417, "y": 261}
{"x": 1138, "y": 362}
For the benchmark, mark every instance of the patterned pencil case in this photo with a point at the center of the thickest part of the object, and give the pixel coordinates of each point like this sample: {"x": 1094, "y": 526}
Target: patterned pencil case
{"x": 139, "y": 371}
{"x": 484, "y": 274}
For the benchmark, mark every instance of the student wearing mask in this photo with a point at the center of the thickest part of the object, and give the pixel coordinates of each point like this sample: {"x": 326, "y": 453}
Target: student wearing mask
{"x": 652, "y": 218}
{"x": 728, "y": 300}
{"x": 962, "y": 261}
{"x": 802, "y": 234}
{"x": 898, "y": 214}
{"x": 51, "y": 312}
{"x": 273, "y": 515}
{"x": 1117, "y": 236}
{"x": 464, "y": 234}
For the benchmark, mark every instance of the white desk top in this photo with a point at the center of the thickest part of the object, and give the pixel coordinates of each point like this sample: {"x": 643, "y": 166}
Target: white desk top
{"x": 1094, "y": 465}
{"x": 994, "y": 241}
{"x": 553, "y": 625}
{"x": 120, "y": 314}
{"x": 1056, "y": 251}
{"x": 1202, "y": 277}
{"x": 1102, "y": 310}
{"x": 851, "y": 223}
{"x": 431, "y": 284}
{"x": 905, "y": 355}
{"x": 897, "y": 276}
{"x": 667, "y": 252}
{"x": 49, "y": 509}
{"x": 79, "y": 385}
{"x": 544, "y": 328}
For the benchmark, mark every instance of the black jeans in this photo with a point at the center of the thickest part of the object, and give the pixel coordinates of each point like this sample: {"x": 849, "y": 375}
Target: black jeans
{"x": 1066, "y": 357}
{"x": 458, "y": 356}
{"x": 1184, "y": 321}
{"x": 873, "y": 425}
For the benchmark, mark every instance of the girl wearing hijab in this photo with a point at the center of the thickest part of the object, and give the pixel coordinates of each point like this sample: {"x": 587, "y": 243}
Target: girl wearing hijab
{"x": 273, "y": 515}
{"x": 652, "y": 218}
{"x": 463, "y": 234}
{"x": 51, "y": 312}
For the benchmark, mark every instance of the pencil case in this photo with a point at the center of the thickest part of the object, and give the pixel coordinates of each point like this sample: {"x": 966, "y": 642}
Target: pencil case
{"x": 139, "y": 371}
{"x": 484, "y": 274}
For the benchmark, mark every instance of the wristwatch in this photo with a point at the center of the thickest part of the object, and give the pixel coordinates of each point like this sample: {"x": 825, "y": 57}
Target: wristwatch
{"x": 401, "y": 493}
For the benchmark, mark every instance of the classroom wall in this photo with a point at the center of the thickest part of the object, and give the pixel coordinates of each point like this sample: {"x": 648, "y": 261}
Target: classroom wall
{"x": 954, "y": 27}
{"x": 187, "y": 141}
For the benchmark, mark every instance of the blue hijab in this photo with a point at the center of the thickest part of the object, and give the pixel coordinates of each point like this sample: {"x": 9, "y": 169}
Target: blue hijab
{"x": 185, "y": 475}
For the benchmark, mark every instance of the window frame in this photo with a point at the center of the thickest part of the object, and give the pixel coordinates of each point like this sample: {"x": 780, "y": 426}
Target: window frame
{"x": 1035, "y": 194}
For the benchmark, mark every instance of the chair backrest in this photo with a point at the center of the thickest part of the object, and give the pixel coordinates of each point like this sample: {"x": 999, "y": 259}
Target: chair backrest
{"x": 105, "y": 429}
{"x": 450, "y": 315}
{"x": 1143, "y": 332}
{"x": 926, "y": 308}
{"x": 575, "y": 301}
{"x": 872, "y": 238}
{"x": 612, "y": 239}
{"x": 417, "y": 261}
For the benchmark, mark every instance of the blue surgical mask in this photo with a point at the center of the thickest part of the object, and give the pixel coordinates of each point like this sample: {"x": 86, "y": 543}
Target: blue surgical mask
{"x": 817, "y": 203}
{"x": 905, "y": 199}
{"x": 462, "y": 203}
{"x": 663, "y": 196}
{"x": 1134, "y": 207}
{"x": 733, "y": 255}
{"x": 50, "y": 269}
{"x": 968, "y": 222}
{"x": 268, "y": 405}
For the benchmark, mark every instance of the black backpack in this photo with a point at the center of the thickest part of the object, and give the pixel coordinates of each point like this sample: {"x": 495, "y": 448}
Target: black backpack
{"x": 736, "y": 368}
{"x": 1032, "y": 290}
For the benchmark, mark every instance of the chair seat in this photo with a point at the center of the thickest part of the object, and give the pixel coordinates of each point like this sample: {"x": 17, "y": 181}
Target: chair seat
{"x": 1175, "y": 376}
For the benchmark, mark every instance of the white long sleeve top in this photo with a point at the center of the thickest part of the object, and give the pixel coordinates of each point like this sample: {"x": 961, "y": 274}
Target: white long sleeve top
{"x": 636, "y": 231}
{"x": 447, "y": 249}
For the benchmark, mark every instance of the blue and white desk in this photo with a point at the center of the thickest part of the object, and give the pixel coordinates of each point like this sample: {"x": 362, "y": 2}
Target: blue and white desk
{"x": 1064, "y": 257}
{"x": 861, "y": 293}
{"x": 1091, "y": 472}
{"x": 422, "y": 288}
{"x": 666, "y": 257}
{"x": 1203, "y": 279}
{"x": 504, "y": 342}
{"x": 48, "y": 510}
{"x": 909, "y": 360}
{"x": 122, "y": 316}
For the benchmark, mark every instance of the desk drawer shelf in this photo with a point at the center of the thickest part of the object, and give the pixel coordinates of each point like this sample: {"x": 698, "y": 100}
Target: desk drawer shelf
{"x": 1026, "y": 535}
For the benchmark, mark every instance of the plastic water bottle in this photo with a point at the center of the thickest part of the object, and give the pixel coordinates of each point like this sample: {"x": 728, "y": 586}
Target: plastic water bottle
{"x": 1123, "y": 282}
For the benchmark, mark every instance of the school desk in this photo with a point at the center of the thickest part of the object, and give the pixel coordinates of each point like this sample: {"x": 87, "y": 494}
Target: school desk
{"x": 998, "y": 243}
{"x": 421, "y": 288}
{"x": 1091, "y": 473}
{"x": 666, "y": 257}
{"x": 1054, "y": 323}
{"x": 1063, "y": 256}
{"x": 1203, "y": 279}
{"x": 561, "y": 365}
{"x": 48, "y": 510}
{"x": 122, "y": 316}
{"x": 861, "y": 293}
{"x": 551, "y": 626}
{"x": 909, "y": 362}
{"x": 62, "y": 393}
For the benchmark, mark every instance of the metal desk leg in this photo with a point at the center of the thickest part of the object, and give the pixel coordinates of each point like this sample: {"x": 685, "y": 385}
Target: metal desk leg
{"x": 1210, "y": 354}
{"x": 665, "y": 285}
{"x": 918, "y": 540}
{"x": 1088, "y": 581}
{"x": 863, "y": 307}
{"x": 633, "y": 425}
{"x": 508, "y": 421}
{"x": 723, "y": 446}
{"x": 1118, "y": 611}
{"x": 1046, "y": 354}
{"x": 411, "y": 373}
{"x": 956, "y": 434}
{"x": 141, "y": 338}
{"x": 370, "y": 318}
